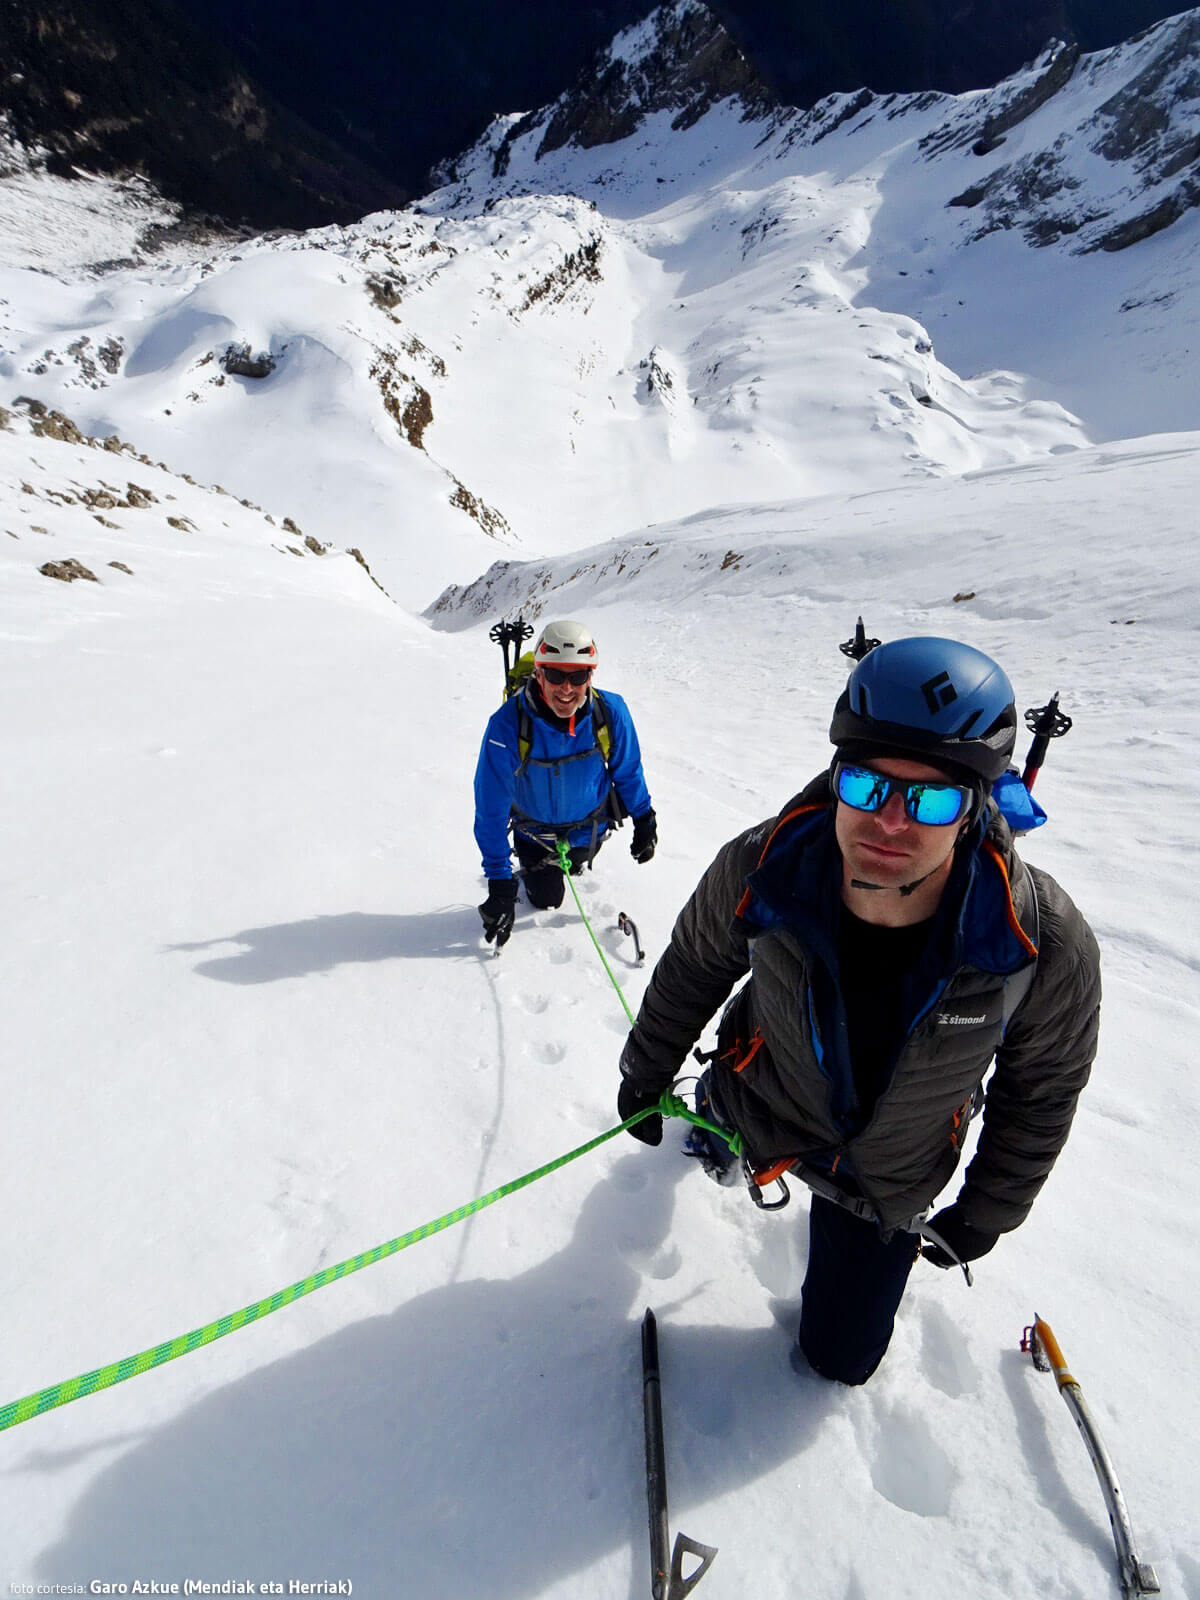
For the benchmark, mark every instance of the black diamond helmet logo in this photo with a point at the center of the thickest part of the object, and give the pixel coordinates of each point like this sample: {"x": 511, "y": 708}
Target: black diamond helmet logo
{"x": 939, "y": 693}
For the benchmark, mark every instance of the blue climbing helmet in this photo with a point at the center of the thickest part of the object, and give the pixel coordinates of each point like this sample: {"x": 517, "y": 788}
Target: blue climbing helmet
{"x": 932, "y": 699}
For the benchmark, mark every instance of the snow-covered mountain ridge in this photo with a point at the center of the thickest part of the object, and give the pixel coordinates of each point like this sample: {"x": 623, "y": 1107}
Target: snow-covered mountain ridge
{"x": 793, "y": 548}
{"x": 1111, "y": 153}
{"x": 731, "y": 302}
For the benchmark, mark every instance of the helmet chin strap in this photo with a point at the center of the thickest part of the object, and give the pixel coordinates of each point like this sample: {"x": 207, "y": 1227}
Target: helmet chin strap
{"x": 901, "y": 889}
{"x": 905, "y": 889}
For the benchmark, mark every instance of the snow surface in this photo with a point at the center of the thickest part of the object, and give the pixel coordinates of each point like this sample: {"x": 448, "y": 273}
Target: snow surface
{"x": 54, "y": 224}
{"x": 251, "y": 1027}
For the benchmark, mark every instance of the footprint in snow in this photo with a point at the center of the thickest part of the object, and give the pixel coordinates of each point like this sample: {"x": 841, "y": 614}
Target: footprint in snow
{"x": 551, "y": 1054}
{"x": 535, "y": 1004}
{"x": 660, "y": 1262}
{"x": 776, "y": 1266}
{"x": 908, "y": 1466}
{"x": 629, "y": 1179}
{"x": 560, "y": 955}
{"x": 945, "y": 1359}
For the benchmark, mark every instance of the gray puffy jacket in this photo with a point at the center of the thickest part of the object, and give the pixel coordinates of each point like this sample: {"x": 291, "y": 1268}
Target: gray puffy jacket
{"x": 768, "y": 906}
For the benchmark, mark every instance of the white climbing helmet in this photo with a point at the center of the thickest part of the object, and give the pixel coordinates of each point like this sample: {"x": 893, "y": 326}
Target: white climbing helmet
{"x": 565, "y": 643}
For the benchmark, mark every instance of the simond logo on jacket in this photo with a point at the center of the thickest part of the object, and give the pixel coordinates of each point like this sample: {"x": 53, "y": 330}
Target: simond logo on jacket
{"x": 960, "y": 1019}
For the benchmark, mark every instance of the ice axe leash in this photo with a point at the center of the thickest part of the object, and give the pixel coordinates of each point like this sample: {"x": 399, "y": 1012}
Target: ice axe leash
{"x": 667, "y": 1581}
{"x": 61, "y": 1394}
{"x": 1137, "y": 1576}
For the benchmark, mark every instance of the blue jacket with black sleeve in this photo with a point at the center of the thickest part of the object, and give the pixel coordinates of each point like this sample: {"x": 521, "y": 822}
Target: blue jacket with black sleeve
{"x": 563, "y": 785}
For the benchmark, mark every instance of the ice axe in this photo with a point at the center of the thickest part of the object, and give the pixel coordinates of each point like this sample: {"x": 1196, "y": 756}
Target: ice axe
{"x": 667, "y": 1581}
{"x": 627, "y": 925}
{"x": 1137, "y": 1576}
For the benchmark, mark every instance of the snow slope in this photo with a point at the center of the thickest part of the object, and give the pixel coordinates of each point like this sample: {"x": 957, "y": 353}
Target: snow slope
{"x": 252, "y": 1030}
{"x": 250, "y": 1026}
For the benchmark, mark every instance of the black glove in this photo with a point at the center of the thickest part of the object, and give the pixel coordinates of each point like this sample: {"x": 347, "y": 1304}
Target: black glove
{"x": 630, "y": 1101}
{"x": 970, "y": 1243}
{"x": 499, "y": 910}
{"x": 645, "y": 837}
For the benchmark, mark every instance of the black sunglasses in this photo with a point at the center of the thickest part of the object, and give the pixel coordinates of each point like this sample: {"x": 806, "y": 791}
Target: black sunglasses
{"x": 564, "y": 675}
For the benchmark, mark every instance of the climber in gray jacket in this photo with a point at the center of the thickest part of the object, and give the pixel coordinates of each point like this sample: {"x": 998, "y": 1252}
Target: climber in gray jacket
{"x": 896, "y": 947}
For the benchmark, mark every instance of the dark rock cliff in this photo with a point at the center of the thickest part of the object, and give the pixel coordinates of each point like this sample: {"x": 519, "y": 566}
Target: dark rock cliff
{"x": 131, "y": 86}
{"x": 686, "y": 64}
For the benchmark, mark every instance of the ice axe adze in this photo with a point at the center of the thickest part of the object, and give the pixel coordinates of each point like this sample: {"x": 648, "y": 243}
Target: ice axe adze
{"x": 667, "y": 1581}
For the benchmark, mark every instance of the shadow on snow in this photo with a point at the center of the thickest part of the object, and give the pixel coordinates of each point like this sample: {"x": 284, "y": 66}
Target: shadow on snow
{"x": 484, "y": 1438}
{"x": 318, "y": 944}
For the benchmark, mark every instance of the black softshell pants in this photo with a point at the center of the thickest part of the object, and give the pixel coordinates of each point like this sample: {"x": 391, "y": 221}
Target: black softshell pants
{"x": 542, "y": 875}
{"x": 854, "y": 1284}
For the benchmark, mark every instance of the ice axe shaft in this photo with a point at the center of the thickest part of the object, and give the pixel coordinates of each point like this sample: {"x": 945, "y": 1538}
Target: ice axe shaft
{"x": 1137, "y": 1576}
{"x": 667, "y": 1581}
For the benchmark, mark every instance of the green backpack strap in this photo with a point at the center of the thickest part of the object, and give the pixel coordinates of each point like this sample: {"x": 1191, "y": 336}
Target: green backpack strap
{"x": 520, "y": 670}
{"x": 602, "y": 723}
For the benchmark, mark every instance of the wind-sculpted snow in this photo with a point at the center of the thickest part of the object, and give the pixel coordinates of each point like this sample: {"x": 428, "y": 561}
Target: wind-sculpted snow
{"x": 1040, "y": 515}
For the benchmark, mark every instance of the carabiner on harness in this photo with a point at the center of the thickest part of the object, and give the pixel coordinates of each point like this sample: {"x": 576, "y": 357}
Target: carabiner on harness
{"x": 755, "y": 1182}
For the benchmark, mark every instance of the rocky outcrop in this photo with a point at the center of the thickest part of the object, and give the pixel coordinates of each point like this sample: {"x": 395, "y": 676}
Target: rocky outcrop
{"x": 239, "y": 362}
{"x": 68, "y": 571}
{"x": 1118, "y": 162}
{"x": 1012, "y": 105}
{"x": 680, "y": 60}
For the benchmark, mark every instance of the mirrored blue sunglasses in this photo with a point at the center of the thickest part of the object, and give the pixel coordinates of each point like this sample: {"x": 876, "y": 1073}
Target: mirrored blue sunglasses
{"x": 934, "y": 804}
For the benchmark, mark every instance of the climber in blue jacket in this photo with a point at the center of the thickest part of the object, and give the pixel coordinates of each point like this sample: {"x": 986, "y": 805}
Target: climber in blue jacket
{"x": 558, "y": 761}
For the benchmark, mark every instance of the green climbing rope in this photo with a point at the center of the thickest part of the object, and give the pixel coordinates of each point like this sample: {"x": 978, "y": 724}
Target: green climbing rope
{"x": 61, "y": 1394}
{"x": 564, "y": 857}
